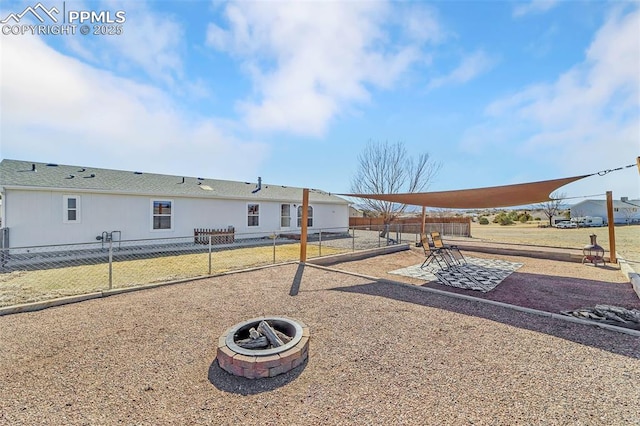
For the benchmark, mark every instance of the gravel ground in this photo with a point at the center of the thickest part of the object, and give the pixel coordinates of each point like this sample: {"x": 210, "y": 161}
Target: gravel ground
{"x": 380, "y": 353}
{"x": 547, "y": 285}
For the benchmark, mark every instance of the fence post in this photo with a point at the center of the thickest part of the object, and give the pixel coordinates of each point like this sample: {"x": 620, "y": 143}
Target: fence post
{"x": 274, "y": 247}
{"x": 110, "y": 263}
{"x": 209, "y": 254}
{"x": 320, "y": 243}
{"x": 353, "y": 240}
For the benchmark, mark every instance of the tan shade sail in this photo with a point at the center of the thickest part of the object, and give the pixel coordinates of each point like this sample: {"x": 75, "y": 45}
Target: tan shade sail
{"x": 495, "y": 196}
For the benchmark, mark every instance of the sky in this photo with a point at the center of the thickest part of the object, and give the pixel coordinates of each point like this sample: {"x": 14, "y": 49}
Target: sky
{"x": 497, "y": 92}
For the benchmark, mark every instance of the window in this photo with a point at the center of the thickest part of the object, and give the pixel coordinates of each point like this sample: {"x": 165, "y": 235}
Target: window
{"x": 253, "y": 215}
{"x": 71, "y": 209}
{"x": 162, "y": 213}
{"x": 285, "y": 215}
{"x": 309, "y": 217}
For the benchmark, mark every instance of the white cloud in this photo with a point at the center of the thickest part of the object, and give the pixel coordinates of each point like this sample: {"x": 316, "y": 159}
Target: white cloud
{"x": 150, "y": 42}
{"x": 470, "y": 67}
{"x": 310, "y": 61}
{"x": 589, "y": 118}
{"x": 59, "y": 109}
{"x": 533, "y": 7}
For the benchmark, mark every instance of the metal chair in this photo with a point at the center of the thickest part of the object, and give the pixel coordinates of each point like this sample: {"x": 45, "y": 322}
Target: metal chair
{"x": 453, "y": 252}
{"x": 432, "y": 253}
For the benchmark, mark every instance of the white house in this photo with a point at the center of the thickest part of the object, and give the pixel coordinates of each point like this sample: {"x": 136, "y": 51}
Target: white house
{"x": 355, "y": 212}
{"x": 49, "y": 204}
{"x": 624, "y": 210}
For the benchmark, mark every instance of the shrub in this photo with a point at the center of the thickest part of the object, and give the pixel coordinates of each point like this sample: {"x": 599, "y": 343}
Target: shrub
{"x": 505, "y": 221}
{"x": 525, "y": 217}
{"x": 505, "y": 218}
{"x": 483, "y": 221}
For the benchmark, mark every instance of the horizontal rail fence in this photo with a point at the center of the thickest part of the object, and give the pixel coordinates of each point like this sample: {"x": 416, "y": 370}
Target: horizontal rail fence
{"x": 215, "y": 236}
{"x": 453, "y": 226}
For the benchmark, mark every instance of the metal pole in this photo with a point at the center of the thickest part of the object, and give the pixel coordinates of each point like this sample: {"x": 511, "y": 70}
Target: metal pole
{"x": 612, "y": 232}
{"x": 274, "y": 246}
{"x": 110, "y": 263}
{"x": 353, "y": 240}
{"x": 320, "y": 243}
{"x": 303, "y": 228}
{"x": 209, "y": 254}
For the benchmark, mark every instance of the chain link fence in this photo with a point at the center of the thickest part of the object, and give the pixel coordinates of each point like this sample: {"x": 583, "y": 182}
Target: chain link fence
{"x": 31, "y": 274}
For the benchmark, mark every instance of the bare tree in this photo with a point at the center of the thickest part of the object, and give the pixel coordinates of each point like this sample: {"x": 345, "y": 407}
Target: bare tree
{"x": 386, "y": 168}
{"x": 552, "y": 207}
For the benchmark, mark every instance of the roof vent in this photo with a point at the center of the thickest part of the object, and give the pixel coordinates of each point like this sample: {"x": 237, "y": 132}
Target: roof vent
{"x": 182, "y": 181}
{"x": 82, "y": 170}
{"x": 137, "y": 173}
{"x": 92, "y": 175}
{"x": 52, "y": 165}
{"x": 33, "y": 167}
{"x": 259, "y": 187}
{"x": 70, "y": 177}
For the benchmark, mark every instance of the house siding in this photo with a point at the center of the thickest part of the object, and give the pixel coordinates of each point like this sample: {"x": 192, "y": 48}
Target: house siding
{"x": 35, "y": 217}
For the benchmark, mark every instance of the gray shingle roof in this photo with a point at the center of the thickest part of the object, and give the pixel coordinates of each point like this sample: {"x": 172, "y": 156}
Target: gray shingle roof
{"x": 14, "y": 173}
{"x": 615, "y": 203}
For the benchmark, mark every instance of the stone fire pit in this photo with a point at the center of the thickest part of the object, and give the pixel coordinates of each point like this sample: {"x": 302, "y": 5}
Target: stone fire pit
{"x": 263, "y": 347}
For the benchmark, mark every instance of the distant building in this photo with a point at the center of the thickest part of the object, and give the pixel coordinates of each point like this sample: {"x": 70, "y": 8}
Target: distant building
{"x": 624, "y": 210}
{"x": 355, "y": 212}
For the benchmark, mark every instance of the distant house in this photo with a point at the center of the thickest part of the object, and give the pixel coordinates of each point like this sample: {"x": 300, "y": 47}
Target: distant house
{"x": 46, "y": 204}
{"x": 355, "y": 212}
{"x": 624, "y": 210}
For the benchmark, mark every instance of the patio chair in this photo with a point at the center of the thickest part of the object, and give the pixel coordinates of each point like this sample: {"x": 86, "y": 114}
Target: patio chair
{"x": 453, "y": 252}
{"x": 432, "y": 253}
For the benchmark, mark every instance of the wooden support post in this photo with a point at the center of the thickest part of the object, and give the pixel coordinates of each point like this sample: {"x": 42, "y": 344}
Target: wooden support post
{"x": 612, "y": 232}
{"x": 424, "y": 218}
{"x": 303, "y": 228}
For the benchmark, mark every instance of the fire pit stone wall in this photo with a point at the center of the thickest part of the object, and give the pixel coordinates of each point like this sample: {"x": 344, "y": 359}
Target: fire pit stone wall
{"x": 256, "y": 367}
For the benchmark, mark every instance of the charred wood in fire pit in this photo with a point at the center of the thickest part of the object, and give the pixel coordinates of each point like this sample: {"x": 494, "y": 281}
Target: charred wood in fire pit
{"x": 266, "y": 329}
{"x": 253, "y": 333}
{"x": 260, "y": 342}
{"x": 285, "y": 339}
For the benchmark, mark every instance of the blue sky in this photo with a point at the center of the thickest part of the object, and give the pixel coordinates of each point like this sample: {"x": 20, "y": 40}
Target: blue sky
{"x": 498, "y": 92}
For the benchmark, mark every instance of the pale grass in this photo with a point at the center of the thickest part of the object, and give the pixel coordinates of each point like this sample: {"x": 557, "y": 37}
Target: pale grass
{"x": 31, "y": 286}
{"x": 627, "y": 237}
